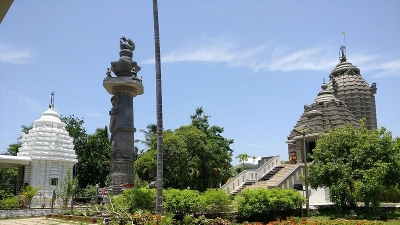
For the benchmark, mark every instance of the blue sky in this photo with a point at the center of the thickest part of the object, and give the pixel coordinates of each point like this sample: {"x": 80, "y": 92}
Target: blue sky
{"x": 251, "y": 65}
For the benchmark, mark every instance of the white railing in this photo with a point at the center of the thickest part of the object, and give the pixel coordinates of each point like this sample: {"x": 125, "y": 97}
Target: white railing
{"x": 251, "y": 175}
{"x": 291, "y": 178}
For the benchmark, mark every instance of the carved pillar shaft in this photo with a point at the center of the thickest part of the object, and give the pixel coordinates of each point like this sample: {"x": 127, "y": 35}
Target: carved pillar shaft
{"x": 124, "y": 87}
{"x": 122, "y": 142}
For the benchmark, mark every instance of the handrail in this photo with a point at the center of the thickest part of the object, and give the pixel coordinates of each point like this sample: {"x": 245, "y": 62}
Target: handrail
{"x": 288, "y": 175}
{"x": 251, "y": 175}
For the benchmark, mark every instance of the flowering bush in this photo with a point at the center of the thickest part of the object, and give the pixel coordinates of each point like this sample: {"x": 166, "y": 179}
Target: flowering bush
{"x": 299, "y": 221}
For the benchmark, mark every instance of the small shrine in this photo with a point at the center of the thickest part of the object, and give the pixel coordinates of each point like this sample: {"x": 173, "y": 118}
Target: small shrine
{"x": 51, "y": 152}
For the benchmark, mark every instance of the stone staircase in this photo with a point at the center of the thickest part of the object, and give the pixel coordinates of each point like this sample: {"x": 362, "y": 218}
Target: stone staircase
{"x": 270, "y": 166}
{"x": 272, "y": 179}
{"x": 271, "y": 174}
{"x": 275, "y": 180}
{"x": 243, "y": 186}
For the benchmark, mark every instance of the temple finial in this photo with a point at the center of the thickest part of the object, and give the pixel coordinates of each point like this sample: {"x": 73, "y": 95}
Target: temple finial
{"x": 343, "y": 49}
{"x": 343, "y": 56}
{"x": 51, "y": 106}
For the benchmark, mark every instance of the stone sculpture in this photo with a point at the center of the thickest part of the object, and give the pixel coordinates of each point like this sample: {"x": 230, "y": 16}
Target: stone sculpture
{"x": 124, "y": 87}
{"x": 126, "y": 44}
{"x": 114, "y": 112}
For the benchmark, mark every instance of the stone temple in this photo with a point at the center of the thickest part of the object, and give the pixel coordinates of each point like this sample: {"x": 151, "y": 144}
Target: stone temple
{"x": 123, "y": 87}
{"x": 345, "y": 99}
{"x": 45, "y": 157}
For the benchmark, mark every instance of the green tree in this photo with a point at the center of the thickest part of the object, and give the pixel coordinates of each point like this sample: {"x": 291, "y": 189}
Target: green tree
{"x": 13, "y": 148}
{"x": 93, "y": 165}
{"x": 216, "y": 159}
{"x": 146, "y": 165}
{"x": 352, "y": 160}
{"x": 150, "y": 135}
{"x": 8, "y": 177}
{"x": 242, "y": 157}
{"x": 77, "y": 131}
{"x": 92, "y": 152}
{"x": 193, "y": 157}
{"x": 175, "y": 174}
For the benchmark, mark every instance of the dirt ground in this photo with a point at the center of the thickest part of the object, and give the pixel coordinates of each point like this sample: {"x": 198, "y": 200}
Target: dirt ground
{"x": 37, "y": 221}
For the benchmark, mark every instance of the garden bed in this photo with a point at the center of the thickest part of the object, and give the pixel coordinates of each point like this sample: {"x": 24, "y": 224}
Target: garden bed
{"x": 87, "y": 219}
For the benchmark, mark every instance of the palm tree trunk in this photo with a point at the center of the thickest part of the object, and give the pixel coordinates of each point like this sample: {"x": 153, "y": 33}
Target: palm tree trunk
{"x": 159, "y": 182}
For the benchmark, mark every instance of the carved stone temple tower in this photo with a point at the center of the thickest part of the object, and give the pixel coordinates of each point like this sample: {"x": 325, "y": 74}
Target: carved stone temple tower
{"x": 345, "y": 99}
{"x": 124, "y": 87}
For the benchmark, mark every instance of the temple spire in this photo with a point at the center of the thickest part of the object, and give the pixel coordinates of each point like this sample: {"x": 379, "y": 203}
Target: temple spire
{"x": 343, "y": 49}
{"x": 51, "y": 106}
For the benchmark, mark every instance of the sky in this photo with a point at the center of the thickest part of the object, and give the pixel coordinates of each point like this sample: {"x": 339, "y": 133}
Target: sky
{"x": 251, "y": 65}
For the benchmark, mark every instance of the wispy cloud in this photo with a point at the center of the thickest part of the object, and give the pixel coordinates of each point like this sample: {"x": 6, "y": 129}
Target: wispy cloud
{"x": 206, "y": 49}
{"x": 381, "y": 68}
{"x": 31, "y": 103}
{"x": 264, "y": 146}
{"x": 89, "y": 113}
{"x": 22, "y": 95}
{"x": 316, "y": 58}
{"x": 10, "y": 54}
{"x": 270, "y": 56}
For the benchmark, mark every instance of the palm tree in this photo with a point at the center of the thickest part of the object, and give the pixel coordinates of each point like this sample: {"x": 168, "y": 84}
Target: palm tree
{"x": 103, "y": 132}
{"x": 242, "y": 157}
{"x": 149, "y": 134}
{"x": 160, "y": 159}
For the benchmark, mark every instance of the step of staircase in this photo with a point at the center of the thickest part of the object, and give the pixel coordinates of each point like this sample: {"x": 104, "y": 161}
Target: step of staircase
{"x": 272, "y": 173}
{"x": 273, "y": 181}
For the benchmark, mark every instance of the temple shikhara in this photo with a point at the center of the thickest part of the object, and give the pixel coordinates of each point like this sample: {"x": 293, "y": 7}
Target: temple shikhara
{"x": 45, "y": 157}
{"x": 344, "y": 99}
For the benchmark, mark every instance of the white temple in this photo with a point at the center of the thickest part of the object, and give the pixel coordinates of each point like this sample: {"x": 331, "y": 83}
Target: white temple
{"x": 51, "y": 152}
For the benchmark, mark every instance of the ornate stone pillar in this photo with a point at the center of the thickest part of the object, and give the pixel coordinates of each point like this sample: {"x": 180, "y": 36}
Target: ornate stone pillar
{"x": 124, "y": 87}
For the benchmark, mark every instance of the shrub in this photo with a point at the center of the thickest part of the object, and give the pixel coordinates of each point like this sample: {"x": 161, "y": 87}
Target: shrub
{"x": 89, "y": 191}
{"x": 263, "y": 204}
{"x": 216, "y": 202}
{"x": 27, "y": 194}
{"x": 137, "y": 199}
{"x": 181, "y": 202}
{"x": 10, "y": 202}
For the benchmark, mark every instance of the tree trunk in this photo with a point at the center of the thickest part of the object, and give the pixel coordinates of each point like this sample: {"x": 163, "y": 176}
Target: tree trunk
{"x": 160, "y": 160}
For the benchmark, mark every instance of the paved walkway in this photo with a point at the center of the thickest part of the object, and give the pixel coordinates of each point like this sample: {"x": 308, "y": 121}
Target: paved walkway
{"x": 37, "y": 221}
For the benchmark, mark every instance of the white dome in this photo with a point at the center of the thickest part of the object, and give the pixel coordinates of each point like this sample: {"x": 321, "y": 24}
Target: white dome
{"x": 49, "y": 115}
{"x": 48, "y": 139}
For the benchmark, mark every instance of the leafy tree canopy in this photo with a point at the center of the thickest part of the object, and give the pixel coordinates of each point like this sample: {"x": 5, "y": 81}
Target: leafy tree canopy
{"x": 92, "y": 152}
{"x": 350, "y": 160}
{"x": 195, "y": 156}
